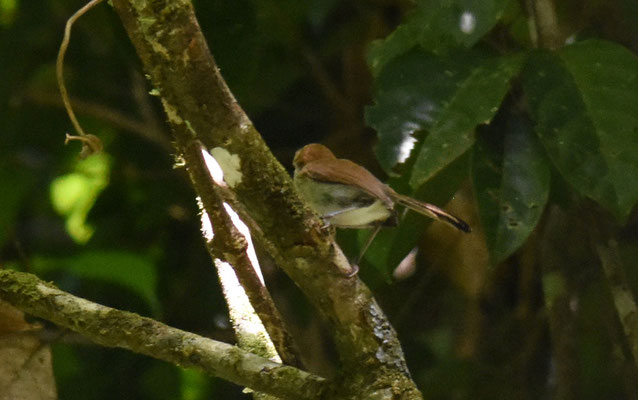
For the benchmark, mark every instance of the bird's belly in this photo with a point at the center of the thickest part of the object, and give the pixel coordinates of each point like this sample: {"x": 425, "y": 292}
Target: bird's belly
{"x": 362, "y": 217}
{"x": 342, "y": 205}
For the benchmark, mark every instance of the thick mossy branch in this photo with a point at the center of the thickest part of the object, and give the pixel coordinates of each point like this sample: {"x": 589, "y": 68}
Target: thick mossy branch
{"x": 199, "y": 106}
{"x": 115, "y": 328}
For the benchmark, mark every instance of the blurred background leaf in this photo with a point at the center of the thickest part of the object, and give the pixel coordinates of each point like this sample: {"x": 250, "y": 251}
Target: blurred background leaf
{"x": 74, "y": 194}
{"x": 134, "y": 272}
{"x": 437, "y": 26}
{"x": 585, "y": 101}
{"x": 511, "y": 184}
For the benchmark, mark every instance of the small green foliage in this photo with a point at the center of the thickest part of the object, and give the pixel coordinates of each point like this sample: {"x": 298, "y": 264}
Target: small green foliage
{"x": 132, "y": 271}
{"x": 73, "y": 194}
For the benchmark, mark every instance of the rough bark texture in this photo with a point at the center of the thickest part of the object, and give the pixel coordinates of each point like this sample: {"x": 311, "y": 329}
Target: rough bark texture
{"x": 115, "y": 328}
{"x": 200, "y": 107}
{"x": 227, "y": 244}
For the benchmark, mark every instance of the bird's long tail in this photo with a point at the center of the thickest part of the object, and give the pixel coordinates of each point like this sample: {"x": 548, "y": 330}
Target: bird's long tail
{"x": 431, "y": 211}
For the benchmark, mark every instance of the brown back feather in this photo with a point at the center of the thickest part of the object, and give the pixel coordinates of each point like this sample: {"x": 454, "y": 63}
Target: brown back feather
{"x": 348, "y": 173}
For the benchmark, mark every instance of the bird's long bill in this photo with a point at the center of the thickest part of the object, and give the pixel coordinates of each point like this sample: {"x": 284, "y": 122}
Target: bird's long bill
{"x": 432, "y": 211}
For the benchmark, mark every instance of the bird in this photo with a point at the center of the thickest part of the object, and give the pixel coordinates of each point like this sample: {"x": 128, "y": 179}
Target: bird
{"x": 346, "y": 195}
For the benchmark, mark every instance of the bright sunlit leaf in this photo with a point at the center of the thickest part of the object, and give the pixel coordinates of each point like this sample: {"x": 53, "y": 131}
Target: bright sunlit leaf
{"x": 73, "y": 194}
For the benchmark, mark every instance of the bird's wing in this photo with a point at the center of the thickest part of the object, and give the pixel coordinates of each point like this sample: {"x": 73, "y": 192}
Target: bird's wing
{"x": 347, "y": 173}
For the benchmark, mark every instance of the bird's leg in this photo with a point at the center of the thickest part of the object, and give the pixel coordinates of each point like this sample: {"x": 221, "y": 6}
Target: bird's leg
{"x": 355, "y": 265}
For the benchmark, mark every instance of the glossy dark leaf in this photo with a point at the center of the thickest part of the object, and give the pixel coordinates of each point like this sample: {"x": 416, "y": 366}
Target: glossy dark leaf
{"x": 410, "y": 95}
{"x": 585, "y": 101}
{"x": 474, "y": 102}
{"x": 511, "y": 180}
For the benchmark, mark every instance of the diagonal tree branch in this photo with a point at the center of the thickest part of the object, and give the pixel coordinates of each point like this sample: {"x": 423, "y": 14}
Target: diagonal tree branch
{"x": 143, "y": 128}
{"x": 115, "y": 328}
{"x": 199, "y": 106}
{"x": 226, "y": 243}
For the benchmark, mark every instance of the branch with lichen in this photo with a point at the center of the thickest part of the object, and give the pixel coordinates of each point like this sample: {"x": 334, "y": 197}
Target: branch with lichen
{"x": 231, "y": 248}
{"x": 115, "y": 328}
{"x": 199, "y": 106}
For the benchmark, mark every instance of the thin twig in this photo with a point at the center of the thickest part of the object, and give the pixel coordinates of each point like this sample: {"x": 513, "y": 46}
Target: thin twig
{"x": 102, "y": 112}
{"x": 90, "y": 143}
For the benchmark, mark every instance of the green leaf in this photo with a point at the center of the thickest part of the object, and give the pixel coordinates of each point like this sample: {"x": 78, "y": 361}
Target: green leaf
{"x": 438, "y": 25}
{"x": 511, "y": 183}
{"x": 475, "y": 102}
{"x": 585, "y": 101}
{"x": 410, "y": 95}
{"x": 447, "y": 96}
{"x": 74, "y": 194}
{"x": 132, "y": 271}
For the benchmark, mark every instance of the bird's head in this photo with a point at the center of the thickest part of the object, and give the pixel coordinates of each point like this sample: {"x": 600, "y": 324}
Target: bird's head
{"x": 311, "y": 152}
